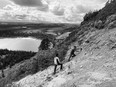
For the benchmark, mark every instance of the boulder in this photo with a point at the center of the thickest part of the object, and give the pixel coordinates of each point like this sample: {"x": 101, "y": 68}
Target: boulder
{"x": 111, "y": 21}
{"x": 98, "y": 24}
{"x": 111, "y": 25}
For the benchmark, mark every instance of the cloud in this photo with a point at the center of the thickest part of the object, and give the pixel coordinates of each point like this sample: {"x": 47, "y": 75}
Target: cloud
{"x": 73, "y": 10}
{"x": 39, "y": 4}
{"x": 21, "y": 17}
{"x": 27, "y": 14}
{"x": 82, "y": 9}
{"x": 62, "y": 11}
{"x": 101, "y": 1}
{"x": 56, "y": 8}
{"x": 43, "y": 8}
{"x": 28, "y": 2}
{"x": 73, "y": 15}
{"x": 58, "y": 11}
{"x": 3, "y": 3}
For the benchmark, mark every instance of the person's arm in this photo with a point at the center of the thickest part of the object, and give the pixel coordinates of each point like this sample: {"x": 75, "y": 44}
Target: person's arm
{"x": 54, "y": 60}
{"x": 58, "y": 60}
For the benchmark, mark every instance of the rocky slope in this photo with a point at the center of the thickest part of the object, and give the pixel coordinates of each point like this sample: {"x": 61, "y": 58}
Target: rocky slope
{"x": 94, "y": 66}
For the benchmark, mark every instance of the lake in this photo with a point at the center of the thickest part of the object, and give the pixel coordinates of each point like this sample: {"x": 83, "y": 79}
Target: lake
{"x": 23, "y": 44}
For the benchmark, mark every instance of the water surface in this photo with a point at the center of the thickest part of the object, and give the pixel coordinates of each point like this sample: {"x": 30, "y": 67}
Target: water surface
{"x": 25, "y": 44}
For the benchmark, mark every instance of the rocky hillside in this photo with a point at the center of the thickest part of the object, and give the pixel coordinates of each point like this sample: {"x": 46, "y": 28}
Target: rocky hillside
{"x": 94, "y": 66}
{"x": 98, "y": 18}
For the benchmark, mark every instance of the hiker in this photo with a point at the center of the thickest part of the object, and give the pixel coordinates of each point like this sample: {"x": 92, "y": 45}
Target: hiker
{"x": 72, "y": 54}
{"x": 56, "y": 63}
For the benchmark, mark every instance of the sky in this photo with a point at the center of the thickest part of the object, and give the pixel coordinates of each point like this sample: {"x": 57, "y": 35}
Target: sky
{"x": 55, "y": 11}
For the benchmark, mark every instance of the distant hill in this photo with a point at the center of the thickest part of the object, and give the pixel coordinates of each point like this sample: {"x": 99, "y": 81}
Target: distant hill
{"x": 23, "y": 29}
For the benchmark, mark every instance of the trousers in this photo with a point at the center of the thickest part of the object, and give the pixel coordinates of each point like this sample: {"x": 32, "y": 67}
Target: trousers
{"x": 61, "y": 67}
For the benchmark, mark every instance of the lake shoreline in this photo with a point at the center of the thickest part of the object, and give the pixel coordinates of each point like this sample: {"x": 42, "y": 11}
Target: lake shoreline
{"x": 20, "y": 43}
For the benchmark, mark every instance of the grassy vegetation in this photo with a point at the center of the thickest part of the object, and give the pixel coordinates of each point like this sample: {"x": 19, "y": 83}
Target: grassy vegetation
{"x": 108, "y": 10}
{"x": 101, "y": 14}
{"x": 11, "y": 65}
{"x": 46, "y": 57}
{"x": 43, "y": 60}
{"x": 39, "y": 31}
{"x": 19, "y": 71}
{"x": 12, "y": 57}
{"x": 90, "y": 16}
{"x": 19, "y": 33}
{"x": 21, "y": 62}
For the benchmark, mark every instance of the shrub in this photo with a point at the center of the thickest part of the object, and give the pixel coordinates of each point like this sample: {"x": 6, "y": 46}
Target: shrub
{"x": 90, "y": 16}
{"x": 19, "y": 71}
{"x": 44, "y": 44}
{"x": 103, "y": 13}
{"x": 13, "y": 57}
{"x": 108, "y": 10}
{"x": 45, "y": 58}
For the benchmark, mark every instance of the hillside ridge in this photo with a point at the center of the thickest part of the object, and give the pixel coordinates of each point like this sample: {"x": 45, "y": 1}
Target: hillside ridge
{"x": 94, "y": 66}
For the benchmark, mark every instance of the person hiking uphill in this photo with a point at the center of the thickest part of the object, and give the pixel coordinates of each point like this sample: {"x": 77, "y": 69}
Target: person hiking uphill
{"x": 56, "y": 63}
{"x": 72, "y": 54}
